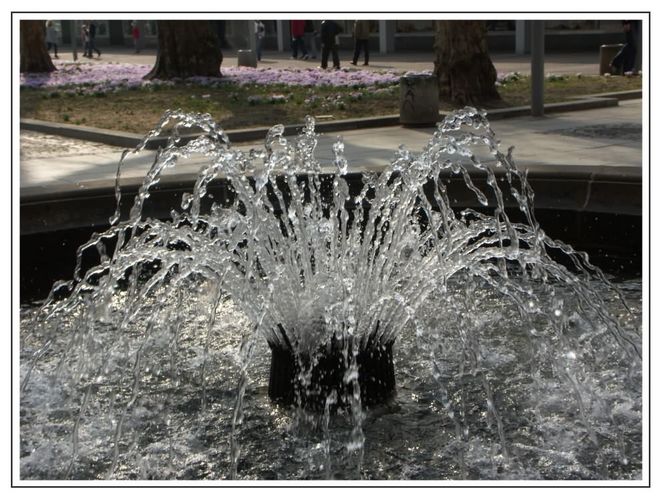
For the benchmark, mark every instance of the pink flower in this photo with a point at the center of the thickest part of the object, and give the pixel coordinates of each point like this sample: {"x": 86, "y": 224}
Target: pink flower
{"x": 116, "y": 75}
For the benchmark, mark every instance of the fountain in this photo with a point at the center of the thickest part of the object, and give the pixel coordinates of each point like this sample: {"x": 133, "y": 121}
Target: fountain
{"x": 304, "y": 322}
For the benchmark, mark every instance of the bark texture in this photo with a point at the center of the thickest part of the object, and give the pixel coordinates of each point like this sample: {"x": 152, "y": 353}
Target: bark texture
{"x": 186, "y": 48}
{"x": 463, "y": 66}
{"x": 34, "y": 56}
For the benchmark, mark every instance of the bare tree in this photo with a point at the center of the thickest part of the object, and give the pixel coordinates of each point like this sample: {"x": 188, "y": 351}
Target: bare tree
{"x": 463, "y": 67}
{"x": 34, "y": 55}
{"x": 186, "y": 48}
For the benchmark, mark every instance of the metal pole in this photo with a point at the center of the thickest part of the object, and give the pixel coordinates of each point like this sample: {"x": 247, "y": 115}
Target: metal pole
{"x": 382, "y": 37}
{"x": 537, "y": 68}
{"x": 279, "y": 35}
{"x": 252, "y": 42}
{"x": 520, "y": 37}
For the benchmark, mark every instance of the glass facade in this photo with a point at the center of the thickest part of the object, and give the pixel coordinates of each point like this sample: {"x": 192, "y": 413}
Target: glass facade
{"x": 409, "y": 34}
{"x": 414, "y": 26}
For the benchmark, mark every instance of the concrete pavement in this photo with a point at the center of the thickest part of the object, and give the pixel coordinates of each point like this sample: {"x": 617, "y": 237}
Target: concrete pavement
{"x": 586, "y": 63}
{"x": 601, "y": 138}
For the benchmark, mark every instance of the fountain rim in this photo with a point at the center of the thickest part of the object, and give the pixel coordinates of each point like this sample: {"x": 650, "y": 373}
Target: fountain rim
{"x": 576, "y": 172}
{"x": 578, "y": 180}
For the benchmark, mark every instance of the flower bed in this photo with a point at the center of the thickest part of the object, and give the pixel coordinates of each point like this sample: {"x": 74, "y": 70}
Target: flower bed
{"x": 91, "y": 78}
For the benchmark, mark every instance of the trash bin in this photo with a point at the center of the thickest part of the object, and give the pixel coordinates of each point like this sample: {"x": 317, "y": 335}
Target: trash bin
{"x": 607, "y": 53}
{"x": 246, "y": 58}
{"x": 419, "y": 100}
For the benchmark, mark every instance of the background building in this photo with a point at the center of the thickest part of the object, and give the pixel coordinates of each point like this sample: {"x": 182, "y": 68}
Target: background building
{"x": 389, "y": 36}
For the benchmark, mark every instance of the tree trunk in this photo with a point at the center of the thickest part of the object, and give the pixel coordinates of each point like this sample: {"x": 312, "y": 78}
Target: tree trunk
{"x": 186, "y": 48}
{"x": 34, "y": 56}
{"x": 463, "y": 67}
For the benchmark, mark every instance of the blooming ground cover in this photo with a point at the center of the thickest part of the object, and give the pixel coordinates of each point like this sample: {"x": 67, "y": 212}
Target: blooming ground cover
{"x": 108, "y": 77}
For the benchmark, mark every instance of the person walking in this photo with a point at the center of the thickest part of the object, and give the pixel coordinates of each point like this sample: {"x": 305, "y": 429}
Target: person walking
{"x": 135, "y": 34}
{"x": 310, "y": 35}
{"x": 51, "y": 38}
{"x": 297, "y": 32}
{"x": 85, "y": 39}
{"x": 328, "y": 32}
{"x": 92, "y": 45}
{"x": 361, "y": 32}
{"x": 624, "y": 61}
{"x": 259, "y": 36}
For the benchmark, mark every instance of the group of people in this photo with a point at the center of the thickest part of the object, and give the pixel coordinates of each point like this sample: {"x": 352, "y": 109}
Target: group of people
{"x": 88, "y": 36}
{"x": 328, "y": 32}
{"x": 304, "y": 41}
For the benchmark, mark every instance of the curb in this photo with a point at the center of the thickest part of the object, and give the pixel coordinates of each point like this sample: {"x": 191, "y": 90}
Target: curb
{"x": 623, "y": 95}
{"x": 131, "y": 140}
{"x": 557, "y": 107}
{"x": 104, "y": 136}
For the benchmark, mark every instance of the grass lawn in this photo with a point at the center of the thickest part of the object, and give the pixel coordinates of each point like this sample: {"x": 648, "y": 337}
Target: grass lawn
{"x": 239, "y": 106}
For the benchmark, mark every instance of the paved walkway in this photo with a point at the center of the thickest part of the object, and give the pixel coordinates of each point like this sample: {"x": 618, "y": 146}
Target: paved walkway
{"x": 562, "y": 63}
{"x": 606, "y": 137}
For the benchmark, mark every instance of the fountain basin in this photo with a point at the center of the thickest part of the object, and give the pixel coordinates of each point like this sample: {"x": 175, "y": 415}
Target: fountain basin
{"x": 517, "y": 356}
